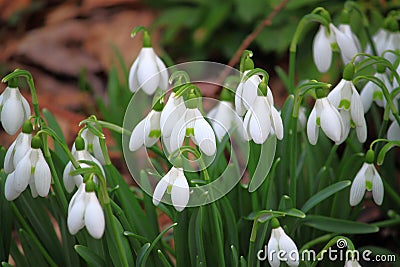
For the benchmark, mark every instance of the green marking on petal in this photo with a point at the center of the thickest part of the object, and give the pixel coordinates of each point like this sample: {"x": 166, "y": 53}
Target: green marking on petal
{"x": 352, "y": 123}
{"x": 155, "y": 134}
{"x": 90, "y": 148}
{"x": 368, "y": 184}
{"x": 189, "y": 131}
{"x": 169, "y": 188}
{"x": 345, "y": 104}
{"x": 33, "y": 170}
{"x": 319, "y": 121}
{"x": 377, "y": 95}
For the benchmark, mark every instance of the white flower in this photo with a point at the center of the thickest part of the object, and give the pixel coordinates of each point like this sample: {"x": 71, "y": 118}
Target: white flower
{"x": 322, "y": 50}
{"x": 369, "y": 179}
{"x": 262, "y": 119}
{"x": 146, "y": 132}
{"x": 393, "y": 133}
{"x": 281, "y": 244}
{"x": 148, "y": 72}
{"x": 17, "y": 151}
{"x": 192, "y": 124}
{"x": 347, "y": 42}
{"x": 372, "y": 92}
{"x": 71, "y": 181}
{"x": 14, "y": 110}
{"x": 85, "y": 210}
{"x": 175, "y": 183}
{"x": 92, "y": 145}
{"x": 32, "y": 170}
{"x": 326, "y": 116}
{"x": 302, "y": 119}
{"x": 246, "y": 93}
{"x": 223, "y": 118}
{"x": 385, "y": 40}
{"x": 352, "y": 263}
{"x": 346, "y": 98}
{"x": 172, "y": 112}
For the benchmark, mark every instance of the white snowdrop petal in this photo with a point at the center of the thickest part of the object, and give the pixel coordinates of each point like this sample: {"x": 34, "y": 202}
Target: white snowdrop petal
{"x": 331, "y": 122}
{"x": 335, "y": 95}
{"x": 377, "y": 189}
{"x": 9, "y": 190}
{"x": 178, "y": 134}
{"x": 260, "y": 123}
{"x": 22, "y": 174}
{"x": 42, "y": 177}
{"x": 357, "y": 108}
{"x": 312, "y": 128}
{"x": 12, "y": 114}
{"x": 345, "y": 115}
{"x": 180, "y": 192}
{"x": 394, "y": 131}
{"x": 26, "y": 107}
{"x": 287, "y": 244}
{"x": 160, "y": 189}
{"x": 322, "y": 51}
{"x": 204, "y": 136}
{"x": 346, "y": 44}
{"x": 250, "y": 91}
{"x": 22, "y": 148}
{"x": 32, "y": 186}
{"x": 172, "y": 112}
{"x": 133, "y": 82}
{"x": 362, "y": 132}
{"x": 94, "y": 217}
{"x": 358, "y": 186}
{"x": 97, "y": 152}
{"x": 367, "y": 96}
{"x": 277, "y": 122}
{"x": 240, "y": 109}
{"x": 147, "y": 72}
{"x": 246, "y": 125}
{"x": 9, "y": 159}
{"x": 273, "y": 249}
{"x": 163, "y": 84}
{"x": 137, "y": 136}
{"x": 75, "y": 219}
{"x": 69, "y": 183}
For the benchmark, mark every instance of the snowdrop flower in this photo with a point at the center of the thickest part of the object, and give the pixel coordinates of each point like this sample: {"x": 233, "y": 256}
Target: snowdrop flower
{"x": 263, "y": 119}
{"x": 352, "y": 263}
{"x": 92, "y": 145}
{"x": 192, "y": 124}
{"x": 346, "y": 98}
{"x": 347, "y": 41}
{"x": 79, "y": 154}
{"x": 148, "y": 130}
{"x": 171, "y": 113}
{"x": 369, "y": 179}
{"x": 322, "y": 48}
{"x": 175, "y": 183}
{"x": 302, "y": 119}
{"x": 326, "y": 116}
{"x": 386, "y": 38}
{"x": 18, "y": 148}
{"x": 85, "y": 210}
{"x": 14, "y": 110}
{"x": 32, "y": 170}
{"x": 281, "y": 244}
{"x": 246, "y": 93}
{"x": 148, "y": 71}
{"x": 393, "y": 133}
{"x": 372, "y": 92}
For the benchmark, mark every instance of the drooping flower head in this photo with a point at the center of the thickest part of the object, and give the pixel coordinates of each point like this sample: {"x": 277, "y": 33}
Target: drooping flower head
{"x": 368, "y": 179}
{"x": 18, "y": 148}
{"x": 193, "y": 124}
{"x": 92, "y": 145}
{"x": 32, "y": 170}
{"x": 262, "y": 118}
{"x": 85, "y": 210}
{"x": 174, "y": 183}
{"x": 322, "y": 48}
{"x": 79, "y": 154}
{"x": 325, "y": 116}
{"x": 148, "y": 131}
{"x": 345, "y": 97}
{"x": 281, "y": 244}
{"x": 147, "y": 72}
{"x": 14, "y": 108}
